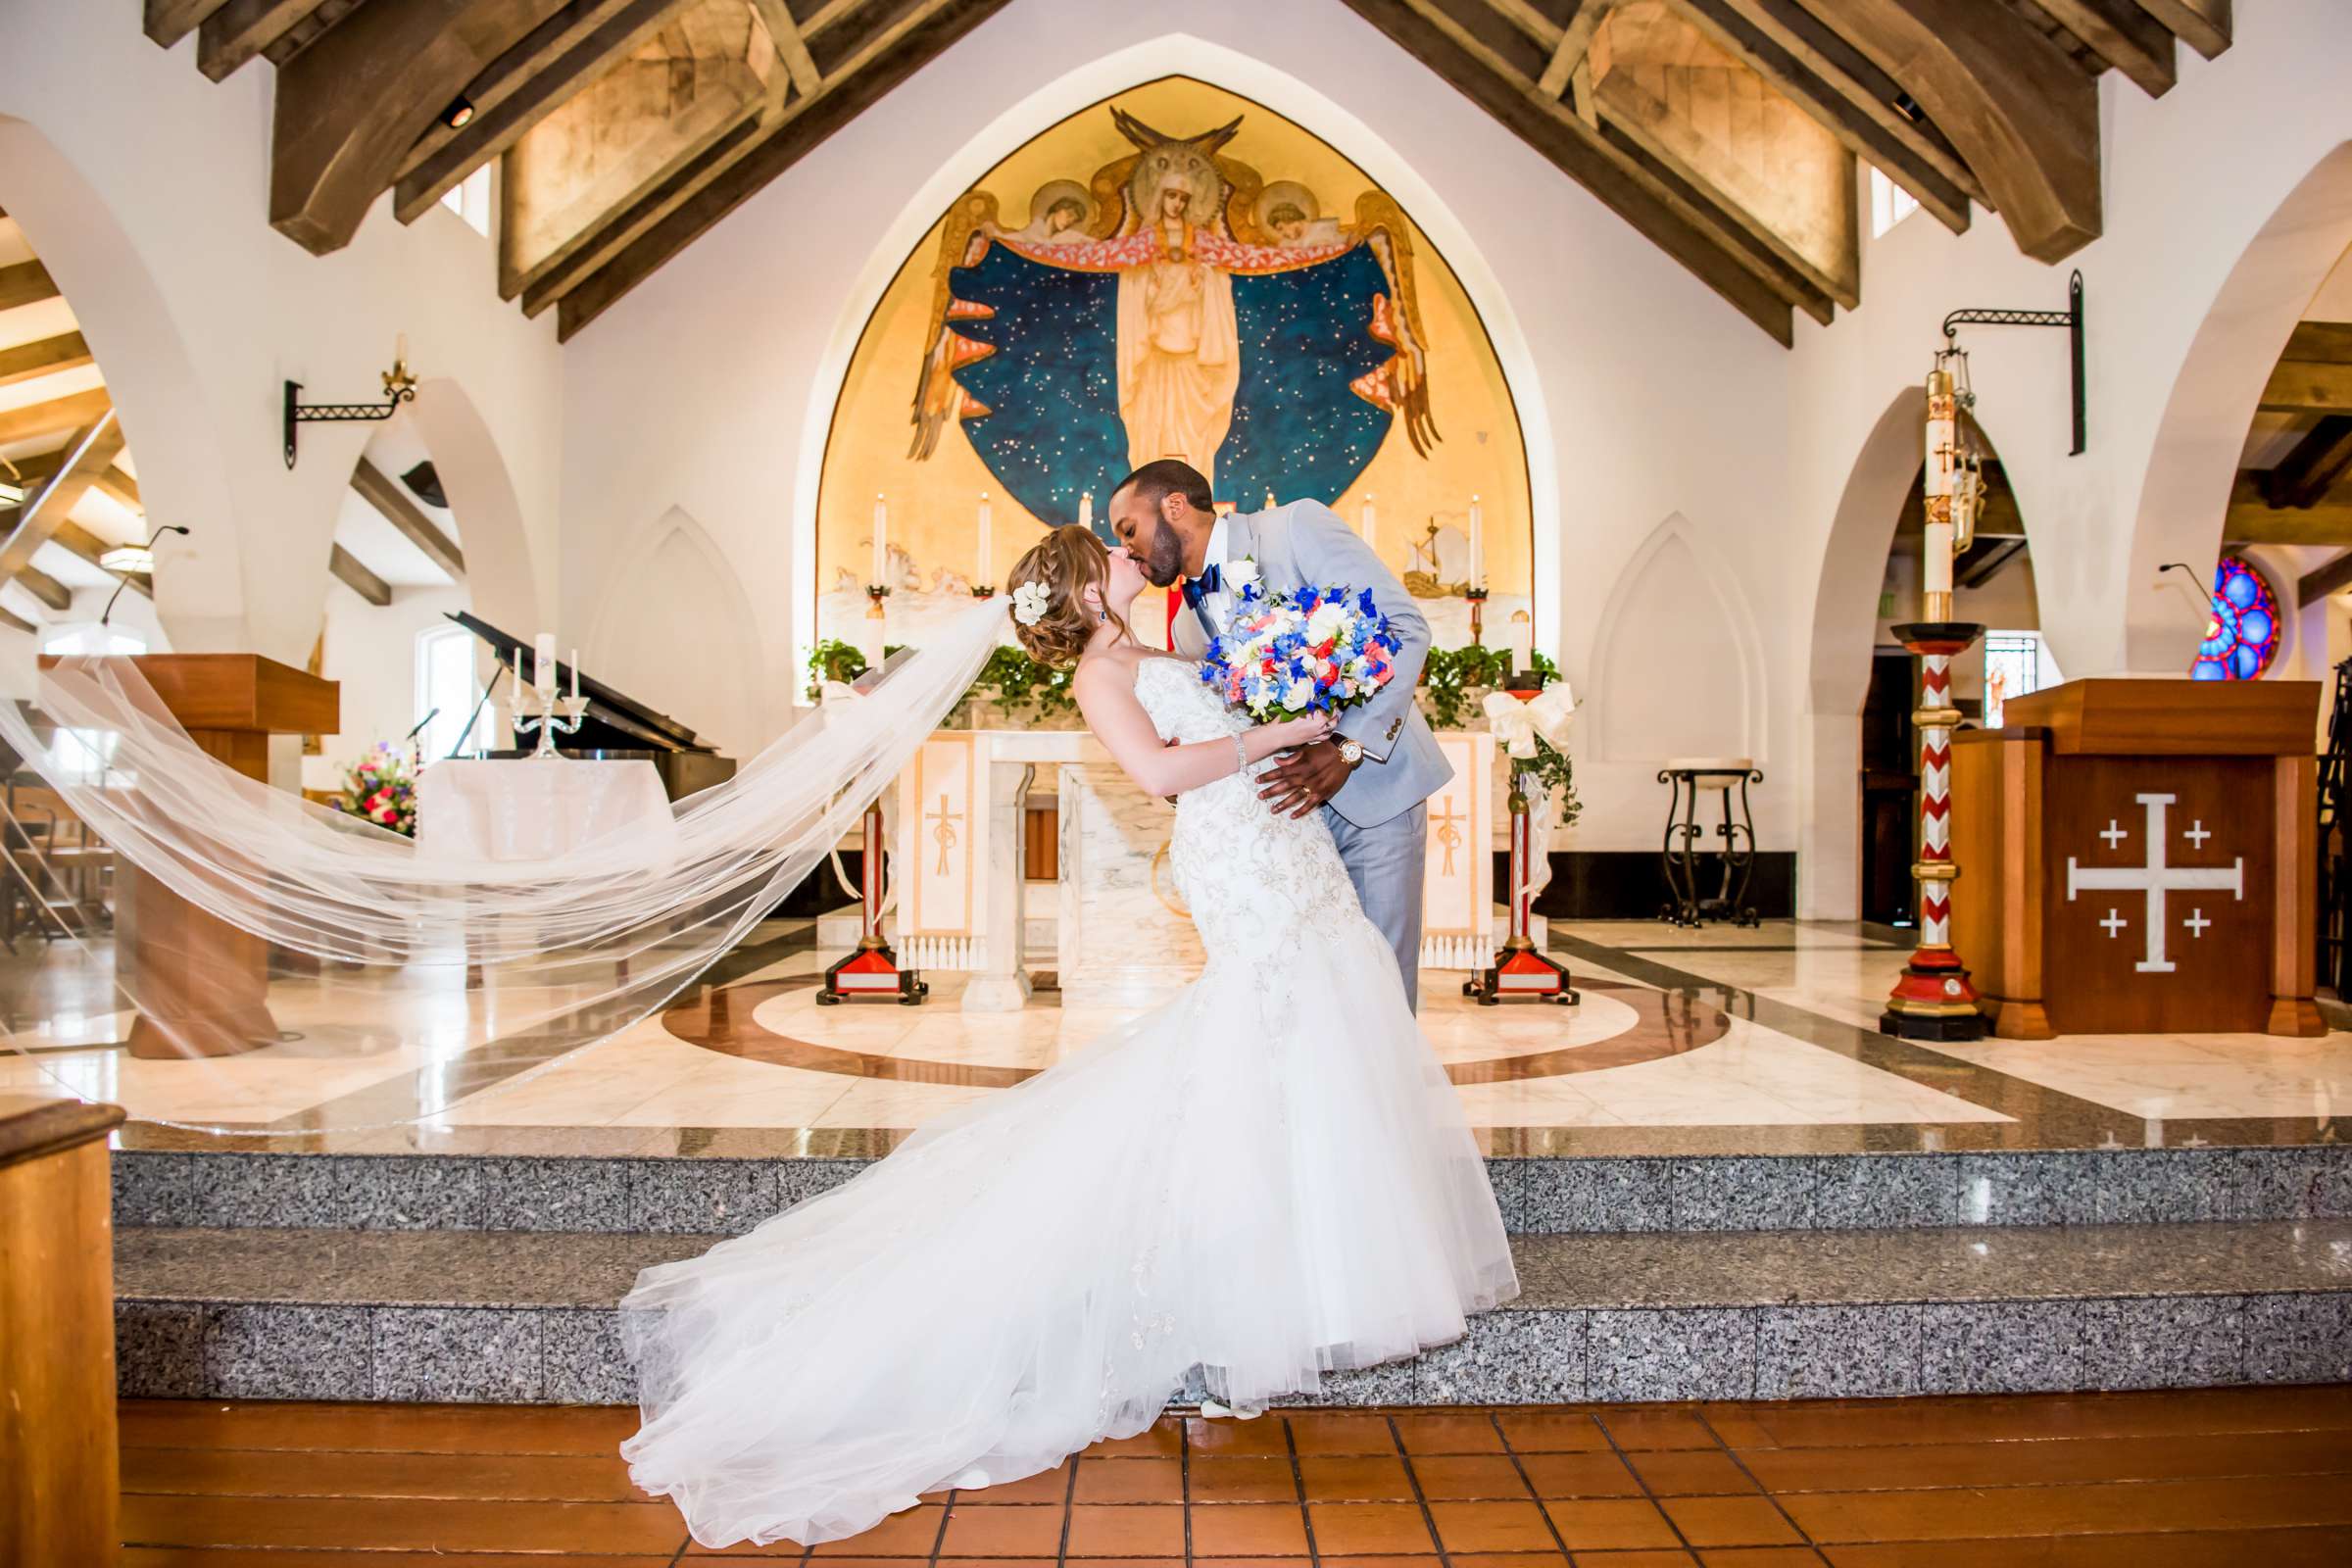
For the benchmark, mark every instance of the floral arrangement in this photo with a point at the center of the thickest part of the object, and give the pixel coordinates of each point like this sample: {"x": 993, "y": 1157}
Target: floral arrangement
{"x": 1534, "y": 732}
{"x": 1287, "y": 654}
{"x": 380, "y": 788}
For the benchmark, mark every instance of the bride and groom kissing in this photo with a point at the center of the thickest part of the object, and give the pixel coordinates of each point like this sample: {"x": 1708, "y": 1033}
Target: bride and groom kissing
{"x": 1264, "y": 1180}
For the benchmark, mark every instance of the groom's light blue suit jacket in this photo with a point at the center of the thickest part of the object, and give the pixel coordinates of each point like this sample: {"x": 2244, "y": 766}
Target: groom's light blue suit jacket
{"x": 1303, "y": 543}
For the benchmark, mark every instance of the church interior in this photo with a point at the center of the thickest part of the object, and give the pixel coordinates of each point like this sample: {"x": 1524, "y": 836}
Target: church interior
{"x": 1878, "y": 478}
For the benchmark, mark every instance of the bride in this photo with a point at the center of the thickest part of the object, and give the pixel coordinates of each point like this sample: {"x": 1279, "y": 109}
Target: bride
{"x": 1267, "y": 1179}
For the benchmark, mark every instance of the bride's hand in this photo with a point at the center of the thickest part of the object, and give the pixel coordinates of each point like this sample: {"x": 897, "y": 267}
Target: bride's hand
{"x": 1304, "y": 731}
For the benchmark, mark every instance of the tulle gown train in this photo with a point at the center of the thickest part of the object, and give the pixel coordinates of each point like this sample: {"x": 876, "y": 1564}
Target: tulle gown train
{"x": 1269, "y": 1178}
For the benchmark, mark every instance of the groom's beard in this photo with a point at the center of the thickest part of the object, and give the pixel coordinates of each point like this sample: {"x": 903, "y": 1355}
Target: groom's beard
{"x": 1163, "y": 562}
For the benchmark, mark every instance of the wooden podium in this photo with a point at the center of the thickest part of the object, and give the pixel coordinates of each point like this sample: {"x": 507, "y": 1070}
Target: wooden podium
{"x": 2138, "y": 857}
{"x": 202, "y": 986}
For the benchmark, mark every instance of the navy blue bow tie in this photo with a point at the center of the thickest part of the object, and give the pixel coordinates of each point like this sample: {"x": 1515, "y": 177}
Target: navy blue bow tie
{"x": 1195, "y": 589}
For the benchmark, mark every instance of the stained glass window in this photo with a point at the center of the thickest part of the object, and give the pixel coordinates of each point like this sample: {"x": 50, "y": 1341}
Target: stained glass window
{"x": 2242, "y": 638}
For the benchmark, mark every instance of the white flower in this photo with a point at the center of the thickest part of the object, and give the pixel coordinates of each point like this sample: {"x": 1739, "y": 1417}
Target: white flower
{"x": 1029, "y": 603}
{"x": 1328, "y": 620}
{"x": 1240, "y": 574}
{"x": 1302, "y": 693}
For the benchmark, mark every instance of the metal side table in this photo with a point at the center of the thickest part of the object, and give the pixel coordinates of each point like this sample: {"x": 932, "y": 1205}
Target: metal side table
{"x": 1686, "y": 778}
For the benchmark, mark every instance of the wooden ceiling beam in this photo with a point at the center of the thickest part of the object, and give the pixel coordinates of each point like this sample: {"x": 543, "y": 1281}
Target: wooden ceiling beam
{"x": 790, "y": 47}
{"x": 26, "y": 283}
{"x": 47, "y": 588}
{"x": 1575, "y": 42}
{"x": 2330, "y": 578}
{"x": 77, "y": 541}
{"x": 16, "y": 622}
{"x": 91, "y": 453}
{"x": 241, "y": 29}
{"x": 2253, "y": 520}
{"x": 2126, "y": 37}
{"x": 2013, "y": 102}
{"x": 380, "y": 491}
{"x": 522, "y": 87}
{"x": 2308, "y": 386}
{"x": 123, "y": 490}
{"x": 357, "y": 577}
{"x": 1689, "y": 224}
{"x": 169, "y": 20}
{"x": 1870, "y": 91}
{"x": 53, "y": 417}
{"x": 1863, "y": 134}
{"x": 2202, "y": 24}
{"x": 2322, "y": 458}
{"x": 44, "y": 356}
{"x": 351, "y": 106}
{"x": 2328, "y": 342}
{"x": 650, "y": 230}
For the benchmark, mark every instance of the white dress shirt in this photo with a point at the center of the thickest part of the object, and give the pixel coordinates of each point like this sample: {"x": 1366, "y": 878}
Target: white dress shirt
{"x": 1215, "y": 607}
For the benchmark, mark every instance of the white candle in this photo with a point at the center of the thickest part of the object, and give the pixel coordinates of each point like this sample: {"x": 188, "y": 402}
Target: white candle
{"x": 1370, "y": 537}
{"x": 576, "y": 675}
{"x": 1269, "y": 501}
{"x": 400, "y": 348}
{"x": 1523, "y": 643}
{"x": 543, "y": 665}
{"x": 984, "y": 573}
{"x": 880, "y": 576}
{"x": 1086, "y": 509}
{"x": 1478, "y": 546}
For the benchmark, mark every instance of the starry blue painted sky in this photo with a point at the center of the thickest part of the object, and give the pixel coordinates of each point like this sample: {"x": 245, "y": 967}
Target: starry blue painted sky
{"x": 1052, "y": 383}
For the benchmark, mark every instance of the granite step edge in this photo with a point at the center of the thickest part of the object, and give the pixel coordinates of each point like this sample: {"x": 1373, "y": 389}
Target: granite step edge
{"x": 1539, "y": 1194}
{"x": 1721, "y": 1270}
{"x": 575, "y": 1355}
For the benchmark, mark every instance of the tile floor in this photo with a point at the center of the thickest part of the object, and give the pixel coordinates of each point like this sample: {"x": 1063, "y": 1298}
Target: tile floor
{"x": 2229, "y": 1476}
{"x": 1715, "y": 1040}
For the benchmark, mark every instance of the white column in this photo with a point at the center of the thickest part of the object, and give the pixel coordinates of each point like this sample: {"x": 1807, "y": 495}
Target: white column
{"x": 1002, "y": 984}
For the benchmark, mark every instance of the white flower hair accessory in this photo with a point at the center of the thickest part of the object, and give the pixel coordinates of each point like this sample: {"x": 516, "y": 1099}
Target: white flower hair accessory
{"x": 1029, "y": 603}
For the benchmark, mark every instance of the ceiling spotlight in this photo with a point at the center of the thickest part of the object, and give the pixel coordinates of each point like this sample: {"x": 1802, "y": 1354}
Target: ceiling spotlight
{"x": 1904, "y": 104}
{"x": 459, "y": 114}
{"x": 129, "y": 558}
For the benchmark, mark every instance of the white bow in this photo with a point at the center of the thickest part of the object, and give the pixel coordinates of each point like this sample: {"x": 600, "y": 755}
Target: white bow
{"x": 1520, "y": 724}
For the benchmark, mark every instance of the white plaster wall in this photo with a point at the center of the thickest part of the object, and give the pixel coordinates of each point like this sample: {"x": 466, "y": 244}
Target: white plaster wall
{"x": 144, "y": 188}
{"x": 2191, "y": 179}
{"x": 709, "y": 387}
{"x": 371, "y": 650}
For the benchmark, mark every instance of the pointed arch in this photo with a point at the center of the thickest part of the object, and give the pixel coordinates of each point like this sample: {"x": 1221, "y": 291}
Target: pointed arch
{"x": 481, "y": 497}
{"x": 1696, "y": 685}
{"x": 710, "y": 679}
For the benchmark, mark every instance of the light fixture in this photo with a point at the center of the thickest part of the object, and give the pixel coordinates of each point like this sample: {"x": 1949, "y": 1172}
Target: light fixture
{"x": 12, "y": 494}
{"x": 460, "y": 114}
{"x": 129, "y": 558}
{"x": 400, "y": 386}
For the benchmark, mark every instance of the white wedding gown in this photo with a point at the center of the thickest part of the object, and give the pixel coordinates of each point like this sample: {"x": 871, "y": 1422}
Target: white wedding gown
{"x": 1268, "y": 1177}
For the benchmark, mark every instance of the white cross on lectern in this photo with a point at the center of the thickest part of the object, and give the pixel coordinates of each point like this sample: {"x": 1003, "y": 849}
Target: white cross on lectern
{"x": 2155, "y": 879}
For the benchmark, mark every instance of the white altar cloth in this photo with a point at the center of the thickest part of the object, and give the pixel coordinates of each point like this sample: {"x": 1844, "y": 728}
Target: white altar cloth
{"x": 534, "y": 809}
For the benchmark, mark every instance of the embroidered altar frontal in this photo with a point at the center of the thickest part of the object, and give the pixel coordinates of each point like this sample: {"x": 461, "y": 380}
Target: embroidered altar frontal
{"x": 2136, "y": 859}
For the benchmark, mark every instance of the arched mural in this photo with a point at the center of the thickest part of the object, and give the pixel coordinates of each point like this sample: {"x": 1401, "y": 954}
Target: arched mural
{"x": 1174, "y": 270}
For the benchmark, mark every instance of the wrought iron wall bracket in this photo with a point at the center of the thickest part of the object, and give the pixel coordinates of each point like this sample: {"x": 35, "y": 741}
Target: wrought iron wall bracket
{"x": 301, "y": 413}
{"x": 2071, "y": 318}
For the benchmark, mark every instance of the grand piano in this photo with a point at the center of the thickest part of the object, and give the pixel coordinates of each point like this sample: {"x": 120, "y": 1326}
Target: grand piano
{"x": 615, "y": 726}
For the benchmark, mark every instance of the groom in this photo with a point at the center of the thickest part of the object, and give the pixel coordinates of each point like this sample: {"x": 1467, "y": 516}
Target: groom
{"x": 1372, "y": 780}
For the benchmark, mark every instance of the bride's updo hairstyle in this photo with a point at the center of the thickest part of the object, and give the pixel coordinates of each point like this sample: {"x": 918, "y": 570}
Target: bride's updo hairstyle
{"x": 1067, "y": 562}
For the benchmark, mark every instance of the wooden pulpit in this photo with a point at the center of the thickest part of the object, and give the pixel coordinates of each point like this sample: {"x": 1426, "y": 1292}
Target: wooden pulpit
{"x": 2138, "y": 857}
{"x": 202, "y": 985}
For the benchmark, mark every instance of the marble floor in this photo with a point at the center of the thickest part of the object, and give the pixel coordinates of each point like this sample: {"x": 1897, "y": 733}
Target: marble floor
{"x": 1705, "y": 1040}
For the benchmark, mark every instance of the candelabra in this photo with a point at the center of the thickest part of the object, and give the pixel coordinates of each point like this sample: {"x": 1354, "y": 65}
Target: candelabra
{"x": 547, "y": 721}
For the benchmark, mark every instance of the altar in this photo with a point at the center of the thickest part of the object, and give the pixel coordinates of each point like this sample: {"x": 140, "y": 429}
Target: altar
{"x": 1121, "y": 935}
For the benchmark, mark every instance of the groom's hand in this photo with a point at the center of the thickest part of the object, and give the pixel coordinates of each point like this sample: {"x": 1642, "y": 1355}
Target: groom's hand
{"x": 1304, "y": 779}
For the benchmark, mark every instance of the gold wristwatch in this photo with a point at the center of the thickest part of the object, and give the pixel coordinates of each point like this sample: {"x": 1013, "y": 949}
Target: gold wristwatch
{"x": 1351, "y": 751}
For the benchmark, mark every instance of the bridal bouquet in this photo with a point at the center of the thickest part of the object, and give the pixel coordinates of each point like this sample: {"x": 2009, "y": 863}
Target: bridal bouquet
{"x": 1289, "y": 655}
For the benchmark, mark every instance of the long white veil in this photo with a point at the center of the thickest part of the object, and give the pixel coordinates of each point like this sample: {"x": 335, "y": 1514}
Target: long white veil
{"x": 405, "y": 979}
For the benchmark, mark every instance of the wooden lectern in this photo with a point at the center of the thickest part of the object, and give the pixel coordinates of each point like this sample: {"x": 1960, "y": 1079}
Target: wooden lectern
{"x": 2139, "y": 858}
{"x": 202, "y": 985}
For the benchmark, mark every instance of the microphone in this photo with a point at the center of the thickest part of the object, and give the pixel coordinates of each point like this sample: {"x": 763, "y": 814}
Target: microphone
{"x": 2204, "y": 599}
